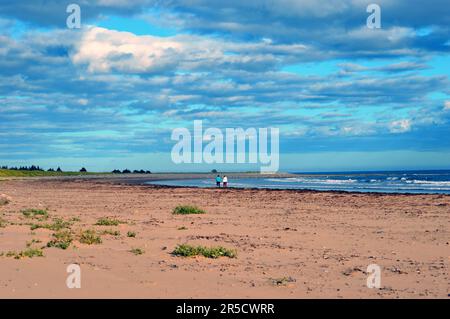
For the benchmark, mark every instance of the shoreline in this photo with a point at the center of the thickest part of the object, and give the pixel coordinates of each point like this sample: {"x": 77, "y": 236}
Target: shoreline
{"x": 154, "y": 176}
{"x": 142, "y": 179}
{"x": 298, "y": 190}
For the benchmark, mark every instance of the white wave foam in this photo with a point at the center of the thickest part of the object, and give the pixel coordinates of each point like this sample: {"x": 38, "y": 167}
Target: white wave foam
{"x": 311, "y": 180}
{"x": 433, "y": 183}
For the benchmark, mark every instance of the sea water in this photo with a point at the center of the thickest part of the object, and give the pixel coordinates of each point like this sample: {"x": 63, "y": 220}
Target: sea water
{"x": 427, "y": 182}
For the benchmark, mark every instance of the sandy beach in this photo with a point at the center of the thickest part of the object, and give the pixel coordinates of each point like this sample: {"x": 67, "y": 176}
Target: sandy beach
{"x": 289, "y": 244}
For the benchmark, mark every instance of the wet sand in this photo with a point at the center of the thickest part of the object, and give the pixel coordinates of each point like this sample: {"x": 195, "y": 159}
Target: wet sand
{"x": 322, "y": 242}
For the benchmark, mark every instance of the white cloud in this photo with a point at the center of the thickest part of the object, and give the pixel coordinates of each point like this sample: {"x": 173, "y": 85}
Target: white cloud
{"x": 400, "y": 126}
{"x": 447, "y": 105}
{"x": 104, "y": 50}
{"x": 83, "y": 101}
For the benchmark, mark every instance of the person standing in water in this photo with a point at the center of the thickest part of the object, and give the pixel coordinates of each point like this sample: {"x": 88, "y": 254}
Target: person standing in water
{"x": 218, "y": 181}
{"x": 225, "y": 181}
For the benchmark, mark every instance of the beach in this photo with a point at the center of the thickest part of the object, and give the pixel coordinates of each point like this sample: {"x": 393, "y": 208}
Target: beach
{"x": 289, "y": 243}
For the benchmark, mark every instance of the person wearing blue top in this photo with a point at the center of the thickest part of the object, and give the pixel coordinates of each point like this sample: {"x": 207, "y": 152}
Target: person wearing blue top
{"x": 218, "y": 180}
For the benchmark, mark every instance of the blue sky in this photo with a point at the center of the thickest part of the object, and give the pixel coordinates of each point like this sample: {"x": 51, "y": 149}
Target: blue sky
{"x": 108, "y": 95}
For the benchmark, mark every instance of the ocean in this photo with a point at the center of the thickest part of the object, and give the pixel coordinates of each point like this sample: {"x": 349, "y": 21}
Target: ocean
{"x": 413, "y": 182}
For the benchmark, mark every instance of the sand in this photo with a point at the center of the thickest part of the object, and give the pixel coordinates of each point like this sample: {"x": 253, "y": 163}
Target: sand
{"x": 322, "y": 242}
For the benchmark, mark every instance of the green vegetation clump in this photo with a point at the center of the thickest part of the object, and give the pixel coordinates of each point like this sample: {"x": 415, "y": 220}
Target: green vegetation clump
{"x": 187, "y": 210}
{"x": 111, "y": 232}
{"x": 137, "y": 251}
{"x": 30, "y": 253}
{"x": 35, "y": 226}
{"x": 62, "y": 239}
{"x": 89, "y": 237}
{"x": 208, "y": 252}
{"x": 35, "y": 213}
{"x": 33, "y": 241}
{"x": 3, "y": 223}
{"x": 131, "y": 234}
{"x": 106, "y": 221}
{"x": 4, "y": 201}
{"x": 58, "y": 224}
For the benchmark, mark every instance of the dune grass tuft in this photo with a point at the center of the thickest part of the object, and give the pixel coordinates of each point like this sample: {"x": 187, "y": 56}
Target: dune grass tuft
{"x": 131, "y": 234}
{"x": 106, "y": 221}
{"x": 187, "y": 210}
{"x": 30, "y": 253}
{"x": 208, "y": 252}
{"x": 35, "y": 213}
{"x": 62, "y": 239}
{"x": 137, "y": 251}
{"x": 57, "y": 225}
{"x": 33, "y": 241}
{"x": 89, "y": 237}
{"x": 111, "y": 232}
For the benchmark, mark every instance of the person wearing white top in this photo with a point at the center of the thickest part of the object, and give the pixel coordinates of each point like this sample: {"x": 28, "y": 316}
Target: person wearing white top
{"x": 225, "y": 181}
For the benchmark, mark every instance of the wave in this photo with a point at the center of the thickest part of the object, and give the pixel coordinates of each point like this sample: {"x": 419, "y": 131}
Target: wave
{"x": 311, "y": 180}
{"x": 436, "y": 183}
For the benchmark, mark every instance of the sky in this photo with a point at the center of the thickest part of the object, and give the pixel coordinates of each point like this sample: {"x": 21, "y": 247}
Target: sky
{"x": 109, "y": 95}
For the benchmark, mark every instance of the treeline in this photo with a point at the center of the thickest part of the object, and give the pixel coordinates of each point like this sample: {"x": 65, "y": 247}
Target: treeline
{"x": 24, "y": 168}
{"x": 34, "y": 168}
{"x": 59, "y": 170}
{"x": 127, "y": 171}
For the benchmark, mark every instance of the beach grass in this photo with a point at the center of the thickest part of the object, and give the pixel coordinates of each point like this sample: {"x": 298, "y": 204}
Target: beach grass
{"x": 137, "y": 251}
{"x": 131, "y": 234}
{"x": 33, "y": 241}
{"x": 62, "y": 239}
{"x": 208, "y": 252}
{"x": 30, "y": 253}
{"x": 90, "y": 237}
{"x": 106, "y": 221}
{"x": 58, "y": 224}
{"x": 35, "y": 213}
{"x": 111, "y": 232}
{"x": 187, "y": 210}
